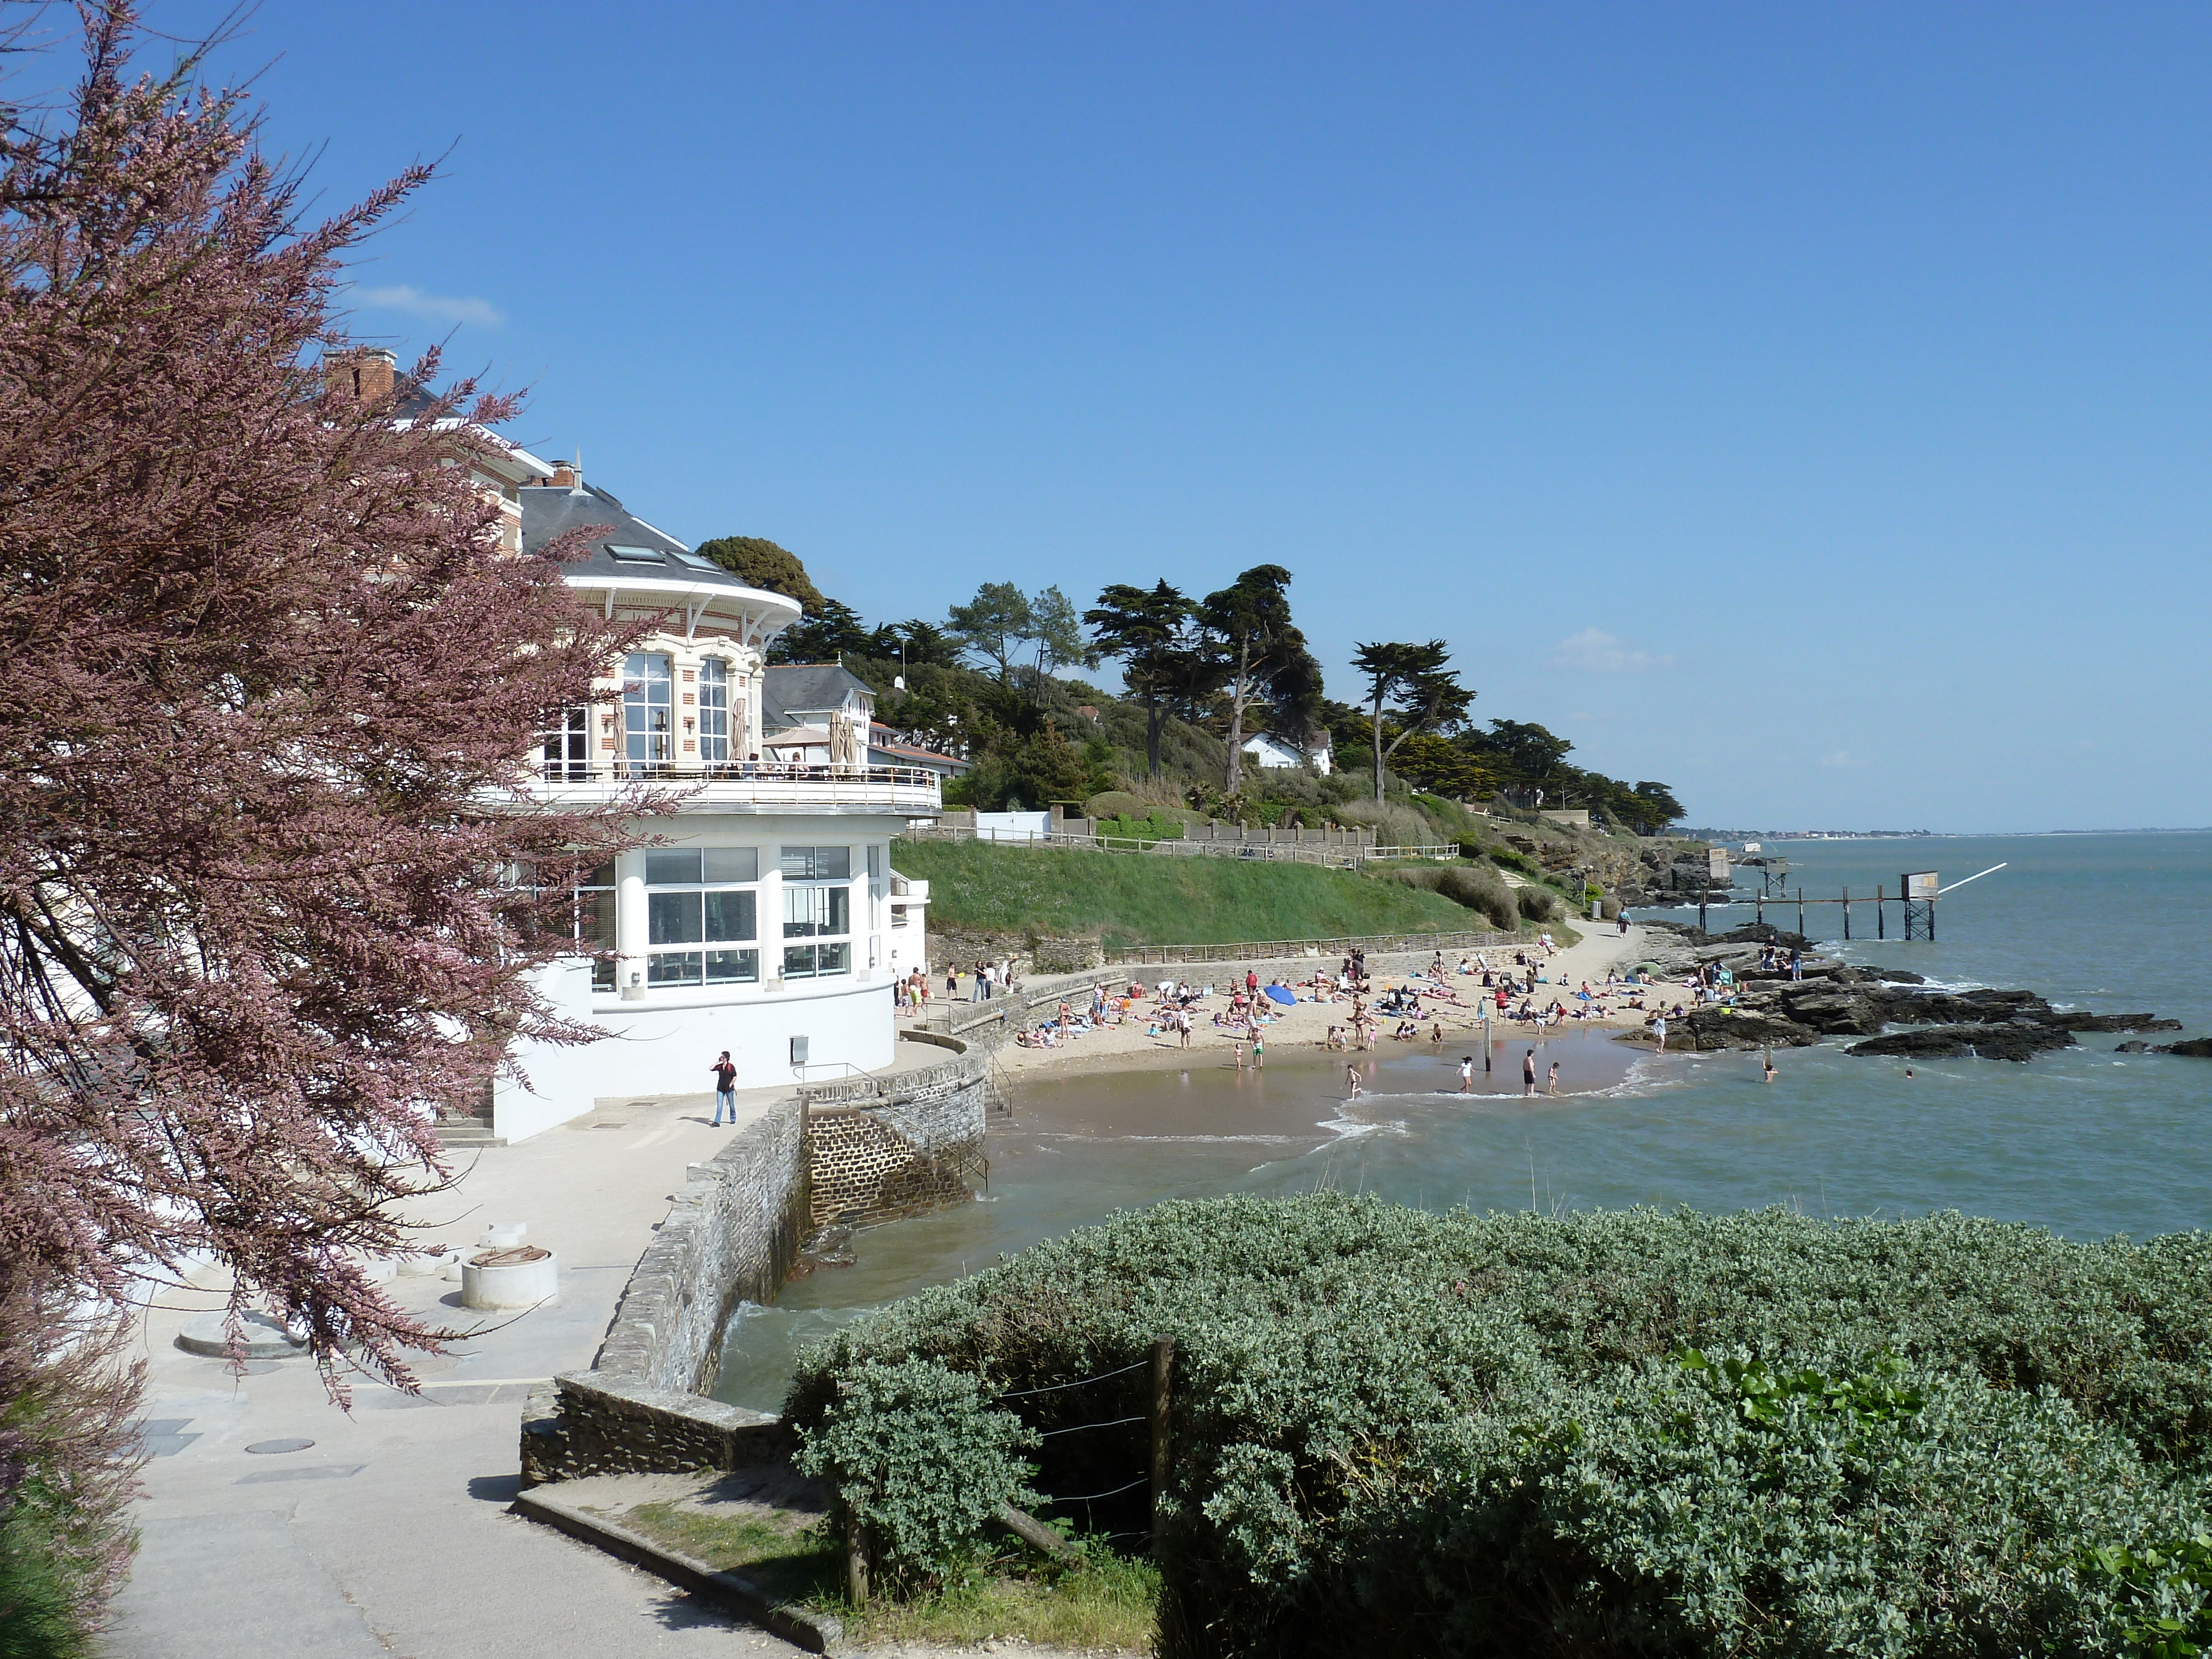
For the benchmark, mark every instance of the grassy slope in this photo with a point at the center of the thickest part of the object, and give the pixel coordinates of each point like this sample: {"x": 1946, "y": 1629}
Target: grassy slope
{"x": 1161, "y": 900}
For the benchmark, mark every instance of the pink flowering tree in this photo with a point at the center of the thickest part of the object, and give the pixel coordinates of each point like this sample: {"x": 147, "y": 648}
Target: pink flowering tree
{"x": 268, "y": 683}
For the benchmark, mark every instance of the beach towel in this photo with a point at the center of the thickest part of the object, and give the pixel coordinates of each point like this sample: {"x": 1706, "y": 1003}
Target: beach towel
{"x": 1281, "y": 993}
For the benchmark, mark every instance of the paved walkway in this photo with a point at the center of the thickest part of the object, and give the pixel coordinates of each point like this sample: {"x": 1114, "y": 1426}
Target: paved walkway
{"x": 389, "y": 1536}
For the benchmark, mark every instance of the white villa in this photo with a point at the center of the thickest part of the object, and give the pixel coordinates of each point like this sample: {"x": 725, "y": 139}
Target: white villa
{"x": 1266, "y": 749}
{"x": 767, "y": 920}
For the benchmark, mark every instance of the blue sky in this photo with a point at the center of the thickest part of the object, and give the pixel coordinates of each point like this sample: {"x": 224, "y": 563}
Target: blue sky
{"x": 1804, "y": 405}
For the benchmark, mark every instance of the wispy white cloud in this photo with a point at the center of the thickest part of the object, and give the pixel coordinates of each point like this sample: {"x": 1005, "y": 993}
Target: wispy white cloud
{"x": 1840, "y": 759}
{"x": 1596, "y": 651}
{"x": 434, "y": 307}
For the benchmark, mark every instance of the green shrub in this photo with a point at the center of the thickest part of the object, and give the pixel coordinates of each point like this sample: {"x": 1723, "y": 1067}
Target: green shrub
{"x": 1536, "y": 903}
{"x": 1624, "y": 1433}
{"x": 920, "y": 1455}
{"x": 1152, "y": 827}
{"x": 1117, "y": 804}
{"x": 1478, "y": 889}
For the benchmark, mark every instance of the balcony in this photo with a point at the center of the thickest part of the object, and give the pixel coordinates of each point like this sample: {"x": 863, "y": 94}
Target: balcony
{"x": 742, "y": 787}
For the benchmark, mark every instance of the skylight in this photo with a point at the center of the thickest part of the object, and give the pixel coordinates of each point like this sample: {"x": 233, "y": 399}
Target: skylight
{"x": 698, "y": 562}
{"x": 635, "y": 555}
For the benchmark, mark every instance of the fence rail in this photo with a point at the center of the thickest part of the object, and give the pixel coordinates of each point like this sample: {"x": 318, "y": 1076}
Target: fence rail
{"x": 1339, "y": 856}
{"x": 1284, "y": 949}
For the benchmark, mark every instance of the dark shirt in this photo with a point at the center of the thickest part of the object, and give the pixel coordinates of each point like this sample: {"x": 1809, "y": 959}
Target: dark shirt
{"x": 725, "y": 1076}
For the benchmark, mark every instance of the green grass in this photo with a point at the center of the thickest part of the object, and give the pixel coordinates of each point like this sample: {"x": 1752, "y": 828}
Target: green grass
{"x": 1111, "y": 1602}
{"x": 1161, "y": 899}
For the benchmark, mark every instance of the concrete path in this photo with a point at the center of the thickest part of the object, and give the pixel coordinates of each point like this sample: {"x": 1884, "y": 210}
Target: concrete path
{"x": 389, "y": 1534}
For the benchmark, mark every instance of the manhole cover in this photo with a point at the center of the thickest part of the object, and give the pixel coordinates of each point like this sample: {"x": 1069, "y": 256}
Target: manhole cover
{"x": 280, "y": 1445}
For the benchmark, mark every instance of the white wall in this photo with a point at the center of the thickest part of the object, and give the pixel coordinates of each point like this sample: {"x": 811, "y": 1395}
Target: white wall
{"x": 1012, "y": 826}
{"x": 671, "y": 1051}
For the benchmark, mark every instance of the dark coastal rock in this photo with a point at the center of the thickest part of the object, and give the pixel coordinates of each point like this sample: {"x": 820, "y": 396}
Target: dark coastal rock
{"x": 2136, "y": 1047}
{"x": 2017, "y": 1039}
{"x": 2201, "y": 1047}
{"x": 2081, "y": 1022}
{"x": 1835, "y": 1014}
{"x": 1894, "y": 976}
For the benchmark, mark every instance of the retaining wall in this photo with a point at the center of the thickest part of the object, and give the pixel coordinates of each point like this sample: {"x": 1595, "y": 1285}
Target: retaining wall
{"x": 870, "y": 1148}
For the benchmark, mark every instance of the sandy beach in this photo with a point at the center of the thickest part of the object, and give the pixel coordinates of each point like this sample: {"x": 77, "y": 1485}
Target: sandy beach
{"x": 1302, "y": 1028}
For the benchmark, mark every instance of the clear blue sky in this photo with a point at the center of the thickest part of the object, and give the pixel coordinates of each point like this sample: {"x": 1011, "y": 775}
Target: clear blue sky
{"x": 1804, "y": 405}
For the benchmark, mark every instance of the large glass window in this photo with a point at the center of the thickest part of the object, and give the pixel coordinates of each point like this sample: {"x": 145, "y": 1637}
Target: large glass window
{"x": 713, "y": 712}
{"x": 702, "y": 918}
{"x": 648, "y": 709}
{"x": 818, "y": 907}
{"x": 595, "y": 924}
{"x": 564, "y": 747}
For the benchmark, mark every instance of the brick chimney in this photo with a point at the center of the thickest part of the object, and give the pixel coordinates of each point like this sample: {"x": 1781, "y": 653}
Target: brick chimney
{"x": 564, "y": 476}
{"x": 365, "y": 371}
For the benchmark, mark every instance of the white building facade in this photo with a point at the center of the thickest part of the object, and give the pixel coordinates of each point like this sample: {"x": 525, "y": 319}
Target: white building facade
{"x": 759, "y": 916}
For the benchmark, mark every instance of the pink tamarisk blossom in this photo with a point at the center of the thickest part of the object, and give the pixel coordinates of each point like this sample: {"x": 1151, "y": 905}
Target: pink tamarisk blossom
{"x": 268, "y": 682}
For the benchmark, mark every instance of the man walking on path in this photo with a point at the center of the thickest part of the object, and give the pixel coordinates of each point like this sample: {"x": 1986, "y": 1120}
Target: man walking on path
{"x": 1529, "y": 1073}
{"x": 726, "y": 1089}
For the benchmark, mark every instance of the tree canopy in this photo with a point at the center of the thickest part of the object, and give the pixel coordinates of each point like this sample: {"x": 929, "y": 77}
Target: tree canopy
{"x": 762, "y": 564}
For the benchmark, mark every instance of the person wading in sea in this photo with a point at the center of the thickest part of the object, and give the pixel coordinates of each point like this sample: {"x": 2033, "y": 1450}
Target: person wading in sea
{"x": 1351, "y": 1079}
{"x": 1529, "y": 1073}
{"x": 1466, "y": 1074}
{"x": 1551, "y": 1079}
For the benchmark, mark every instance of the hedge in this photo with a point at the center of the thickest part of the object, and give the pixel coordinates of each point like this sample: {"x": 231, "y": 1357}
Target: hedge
{"x": 1623, "y": 1432}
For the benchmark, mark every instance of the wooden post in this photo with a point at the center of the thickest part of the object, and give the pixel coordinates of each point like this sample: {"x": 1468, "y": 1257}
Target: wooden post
{"x": 1847, "y": 915}
{"x": 1881, "y": 918}
{"x": 1758, "y": 907}
{"x": 1701, "y": 913}
{"x": 1800, "y": 909}
{"x": 1163, "y": 1368}
{"x": 856, "y": 1560}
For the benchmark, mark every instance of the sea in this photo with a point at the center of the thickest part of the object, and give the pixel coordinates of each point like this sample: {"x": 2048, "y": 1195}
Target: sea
{"x": 2087, "y": 1142}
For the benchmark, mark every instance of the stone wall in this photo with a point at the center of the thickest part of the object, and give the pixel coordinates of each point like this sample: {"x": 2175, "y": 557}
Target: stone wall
{"x": 586, "y": 1424}
{"x": 730, "y": 1235}
{"x": 876, "y": 1145}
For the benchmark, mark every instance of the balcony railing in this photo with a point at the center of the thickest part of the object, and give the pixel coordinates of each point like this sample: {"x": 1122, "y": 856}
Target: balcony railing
{"x": 767, "y": 782}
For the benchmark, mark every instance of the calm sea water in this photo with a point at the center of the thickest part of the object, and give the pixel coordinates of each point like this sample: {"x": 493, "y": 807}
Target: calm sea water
{"x": 2087, "y": 1142}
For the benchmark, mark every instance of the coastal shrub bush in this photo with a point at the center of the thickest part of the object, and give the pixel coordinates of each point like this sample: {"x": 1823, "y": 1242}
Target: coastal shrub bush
{"x": 919, "y": 1453}
{"x": 1149, "y": 827}
{"x": 1117, "y": 804}
{"x": 1478, "y": 889}
{"x": 1624, "y": 1432}
{"x": 1393, "y": 825}
{"x": 1536, "y": 903}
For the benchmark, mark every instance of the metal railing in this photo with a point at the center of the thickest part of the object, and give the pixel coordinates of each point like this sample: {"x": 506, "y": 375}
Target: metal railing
{"x": 751, "y": 780}
{"x": 1348, "y": 855}
{"x": 1285, "y": 950}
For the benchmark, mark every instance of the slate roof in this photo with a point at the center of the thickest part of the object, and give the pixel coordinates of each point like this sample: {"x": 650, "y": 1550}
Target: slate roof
{"x": 548, "y": 511}
{"x": 791, "y": 689}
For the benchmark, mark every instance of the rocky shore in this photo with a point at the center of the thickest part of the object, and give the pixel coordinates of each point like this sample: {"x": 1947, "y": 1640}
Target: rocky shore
{"x": 1834, "y": 1000}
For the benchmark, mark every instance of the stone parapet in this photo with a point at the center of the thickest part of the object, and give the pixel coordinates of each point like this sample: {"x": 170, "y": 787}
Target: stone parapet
{"x": 589, "y": 1423}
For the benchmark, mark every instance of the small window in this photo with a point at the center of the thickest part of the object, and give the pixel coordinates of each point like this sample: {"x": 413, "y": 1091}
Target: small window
{"x": 698, "y": 561}
{"x": 732, "y": 864}
{"x": 817, "y": 863}
{"x": 672, "y": 869}
{"x": 635, "y": 555}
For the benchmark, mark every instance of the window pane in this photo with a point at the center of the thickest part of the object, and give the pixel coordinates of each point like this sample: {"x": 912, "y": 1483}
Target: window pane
{"x": 729, "y": 915}
{"x": 835, "y": 959}
{"x": 733, "y": 967}
{"x": 672, "y": 968}
{"x": 798, "y": 863}
{"x": 595, "y": 920}
{"x": 802, "y": 912}
{"x": 671, "y": 869}
{"x": 799, "y": 961}
{"x": 602, "y": 877}
{"x": 603, "y": 974}
{"x": 875, "y": 861}
{"x": 734, "y": 864}
{"x": 840, "y": 918}
{"x": 672, "y": 919}
{"x": 833, "y": 864}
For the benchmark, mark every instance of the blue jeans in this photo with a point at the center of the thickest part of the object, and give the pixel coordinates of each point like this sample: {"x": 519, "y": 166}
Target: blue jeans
{"x": 725, "y": 1097}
